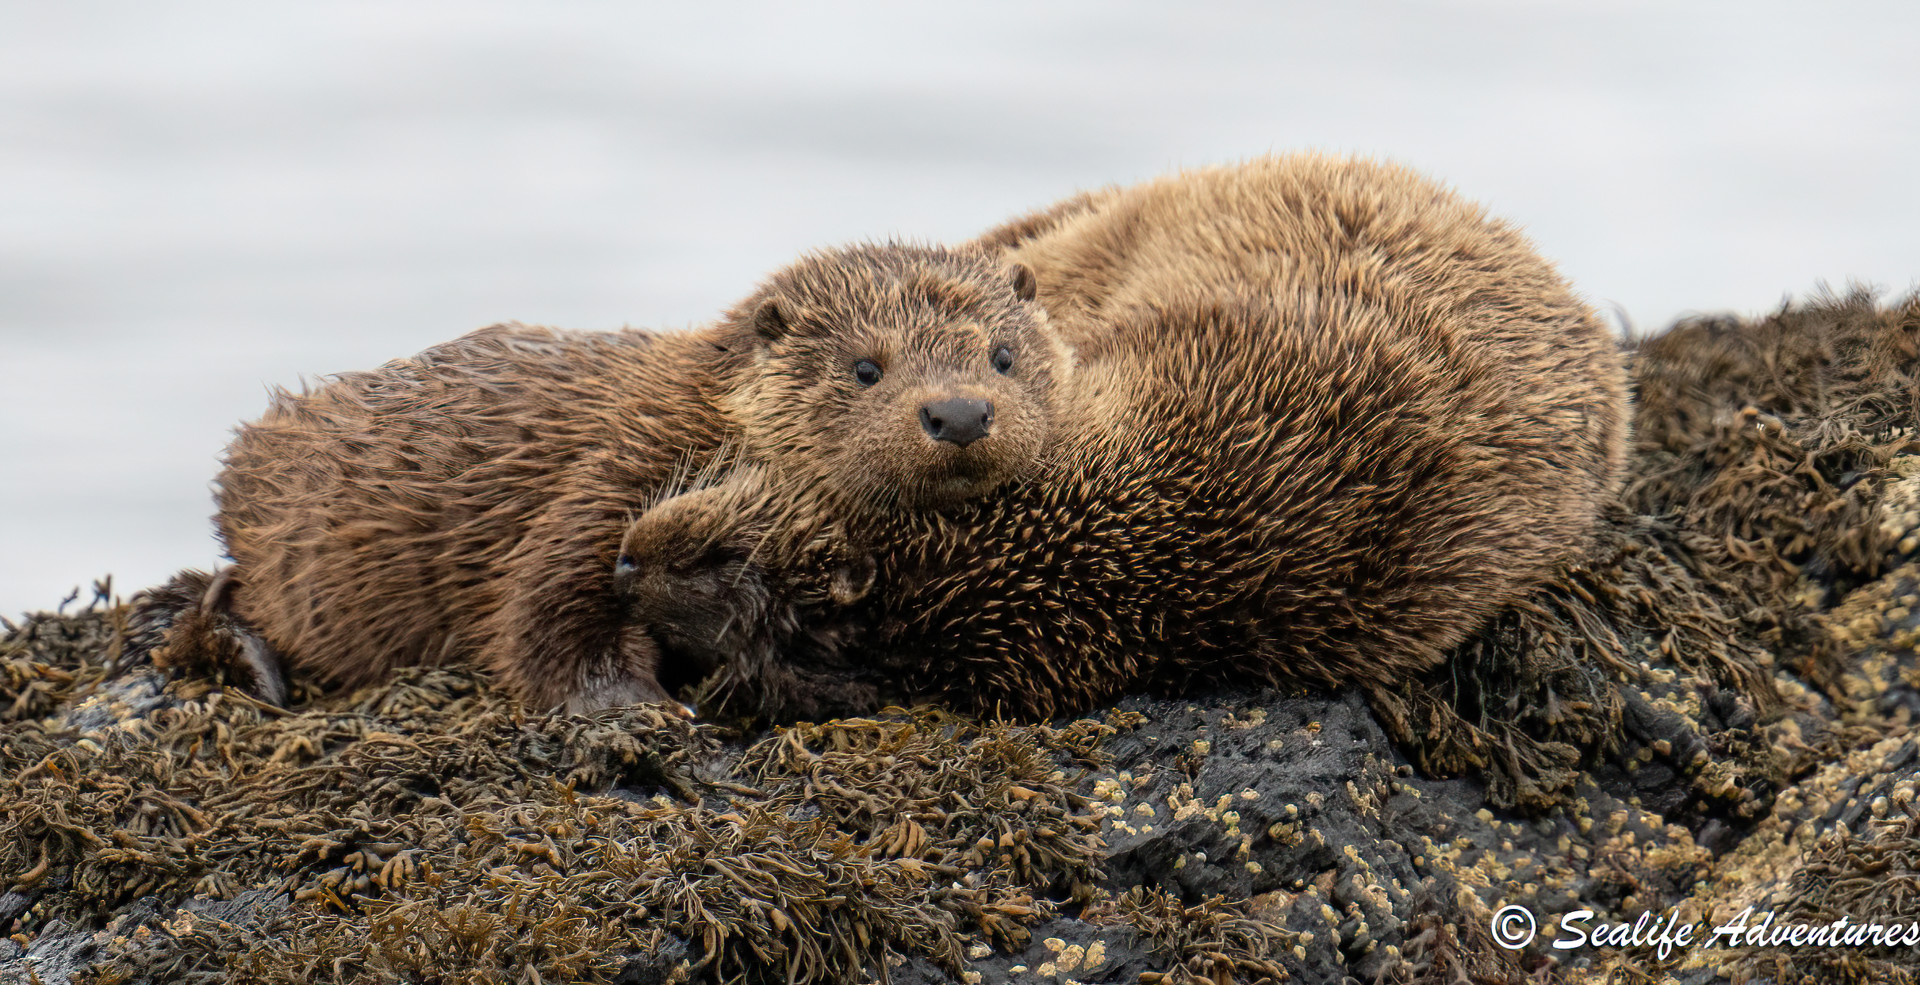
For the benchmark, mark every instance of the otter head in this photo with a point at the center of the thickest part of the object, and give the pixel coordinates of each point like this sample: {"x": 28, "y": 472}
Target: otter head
{"x": 707, "y": 577}
{"x": 891, "y": 374}
{"x": 685, "y": 577}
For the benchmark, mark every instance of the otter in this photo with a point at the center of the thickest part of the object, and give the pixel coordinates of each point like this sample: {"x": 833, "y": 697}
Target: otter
{"x": 469, "y": 502}
{"x": 1325, "y": 419}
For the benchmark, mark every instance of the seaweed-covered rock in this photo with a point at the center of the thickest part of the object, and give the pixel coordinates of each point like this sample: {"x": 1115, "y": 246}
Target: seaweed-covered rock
{"x": 1707, "y": 720}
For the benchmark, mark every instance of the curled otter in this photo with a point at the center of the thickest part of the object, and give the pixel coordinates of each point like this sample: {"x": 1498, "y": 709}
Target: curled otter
{"x": 1325, "y": 419}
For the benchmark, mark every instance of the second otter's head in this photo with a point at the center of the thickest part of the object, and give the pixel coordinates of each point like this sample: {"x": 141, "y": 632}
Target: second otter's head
{"x": 684, "y": 576}
{"x": 895, "y": 374}
{"x": 709, "y": 580}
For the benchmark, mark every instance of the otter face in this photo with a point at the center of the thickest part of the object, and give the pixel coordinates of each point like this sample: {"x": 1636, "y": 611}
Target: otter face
{"x": 685, "y": 579}
{"x": 896, "y": 375}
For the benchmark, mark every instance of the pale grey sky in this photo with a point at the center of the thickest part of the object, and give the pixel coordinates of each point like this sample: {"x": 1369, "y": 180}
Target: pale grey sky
{"x": 199, "y": 200}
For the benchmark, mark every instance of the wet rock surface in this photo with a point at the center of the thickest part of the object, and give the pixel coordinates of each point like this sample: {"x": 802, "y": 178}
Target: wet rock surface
{"x": 1710, "y": 716}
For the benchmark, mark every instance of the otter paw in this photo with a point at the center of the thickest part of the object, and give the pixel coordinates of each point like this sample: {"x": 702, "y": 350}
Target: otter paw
{"x": 603, "y": 694}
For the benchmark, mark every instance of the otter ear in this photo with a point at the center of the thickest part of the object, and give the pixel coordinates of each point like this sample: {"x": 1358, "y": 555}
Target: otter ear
{"x": 1024, "y": 285}
{"x": 768, "y": 321}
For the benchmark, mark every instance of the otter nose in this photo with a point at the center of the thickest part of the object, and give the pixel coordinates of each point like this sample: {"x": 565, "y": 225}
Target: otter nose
{"x": 959, "y": 420}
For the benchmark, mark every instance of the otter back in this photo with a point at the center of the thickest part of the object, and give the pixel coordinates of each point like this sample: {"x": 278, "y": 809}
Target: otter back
{"x": 466, "y": 503}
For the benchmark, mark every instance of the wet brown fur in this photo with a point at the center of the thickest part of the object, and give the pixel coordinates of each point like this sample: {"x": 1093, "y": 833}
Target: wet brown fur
{"x": 1325, "y": 420}
{"x": 465, "y": 503}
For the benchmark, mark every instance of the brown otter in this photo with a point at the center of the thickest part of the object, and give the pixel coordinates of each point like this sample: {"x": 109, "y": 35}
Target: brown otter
{"x": 469, "y": 502}
{"x": 1326, "y": 418}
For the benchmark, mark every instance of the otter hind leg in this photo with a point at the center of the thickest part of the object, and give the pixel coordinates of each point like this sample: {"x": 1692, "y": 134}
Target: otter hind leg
{"x": 187, "y": 625}
{"x": 265, "y": 667}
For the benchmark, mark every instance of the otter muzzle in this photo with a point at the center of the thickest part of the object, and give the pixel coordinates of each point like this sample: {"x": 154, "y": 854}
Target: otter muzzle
{"x": 960, "y": 420}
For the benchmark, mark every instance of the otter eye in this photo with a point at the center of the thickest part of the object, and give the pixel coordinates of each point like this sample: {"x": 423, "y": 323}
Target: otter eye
{"x": 867, "y": 372}
{"x": 626, "y": 563}
{"x": 1003, "y": 360}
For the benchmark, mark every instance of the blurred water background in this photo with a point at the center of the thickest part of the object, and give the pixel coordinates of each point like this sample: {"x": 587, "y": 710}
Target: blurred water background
{"x": 200, "y": 200}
